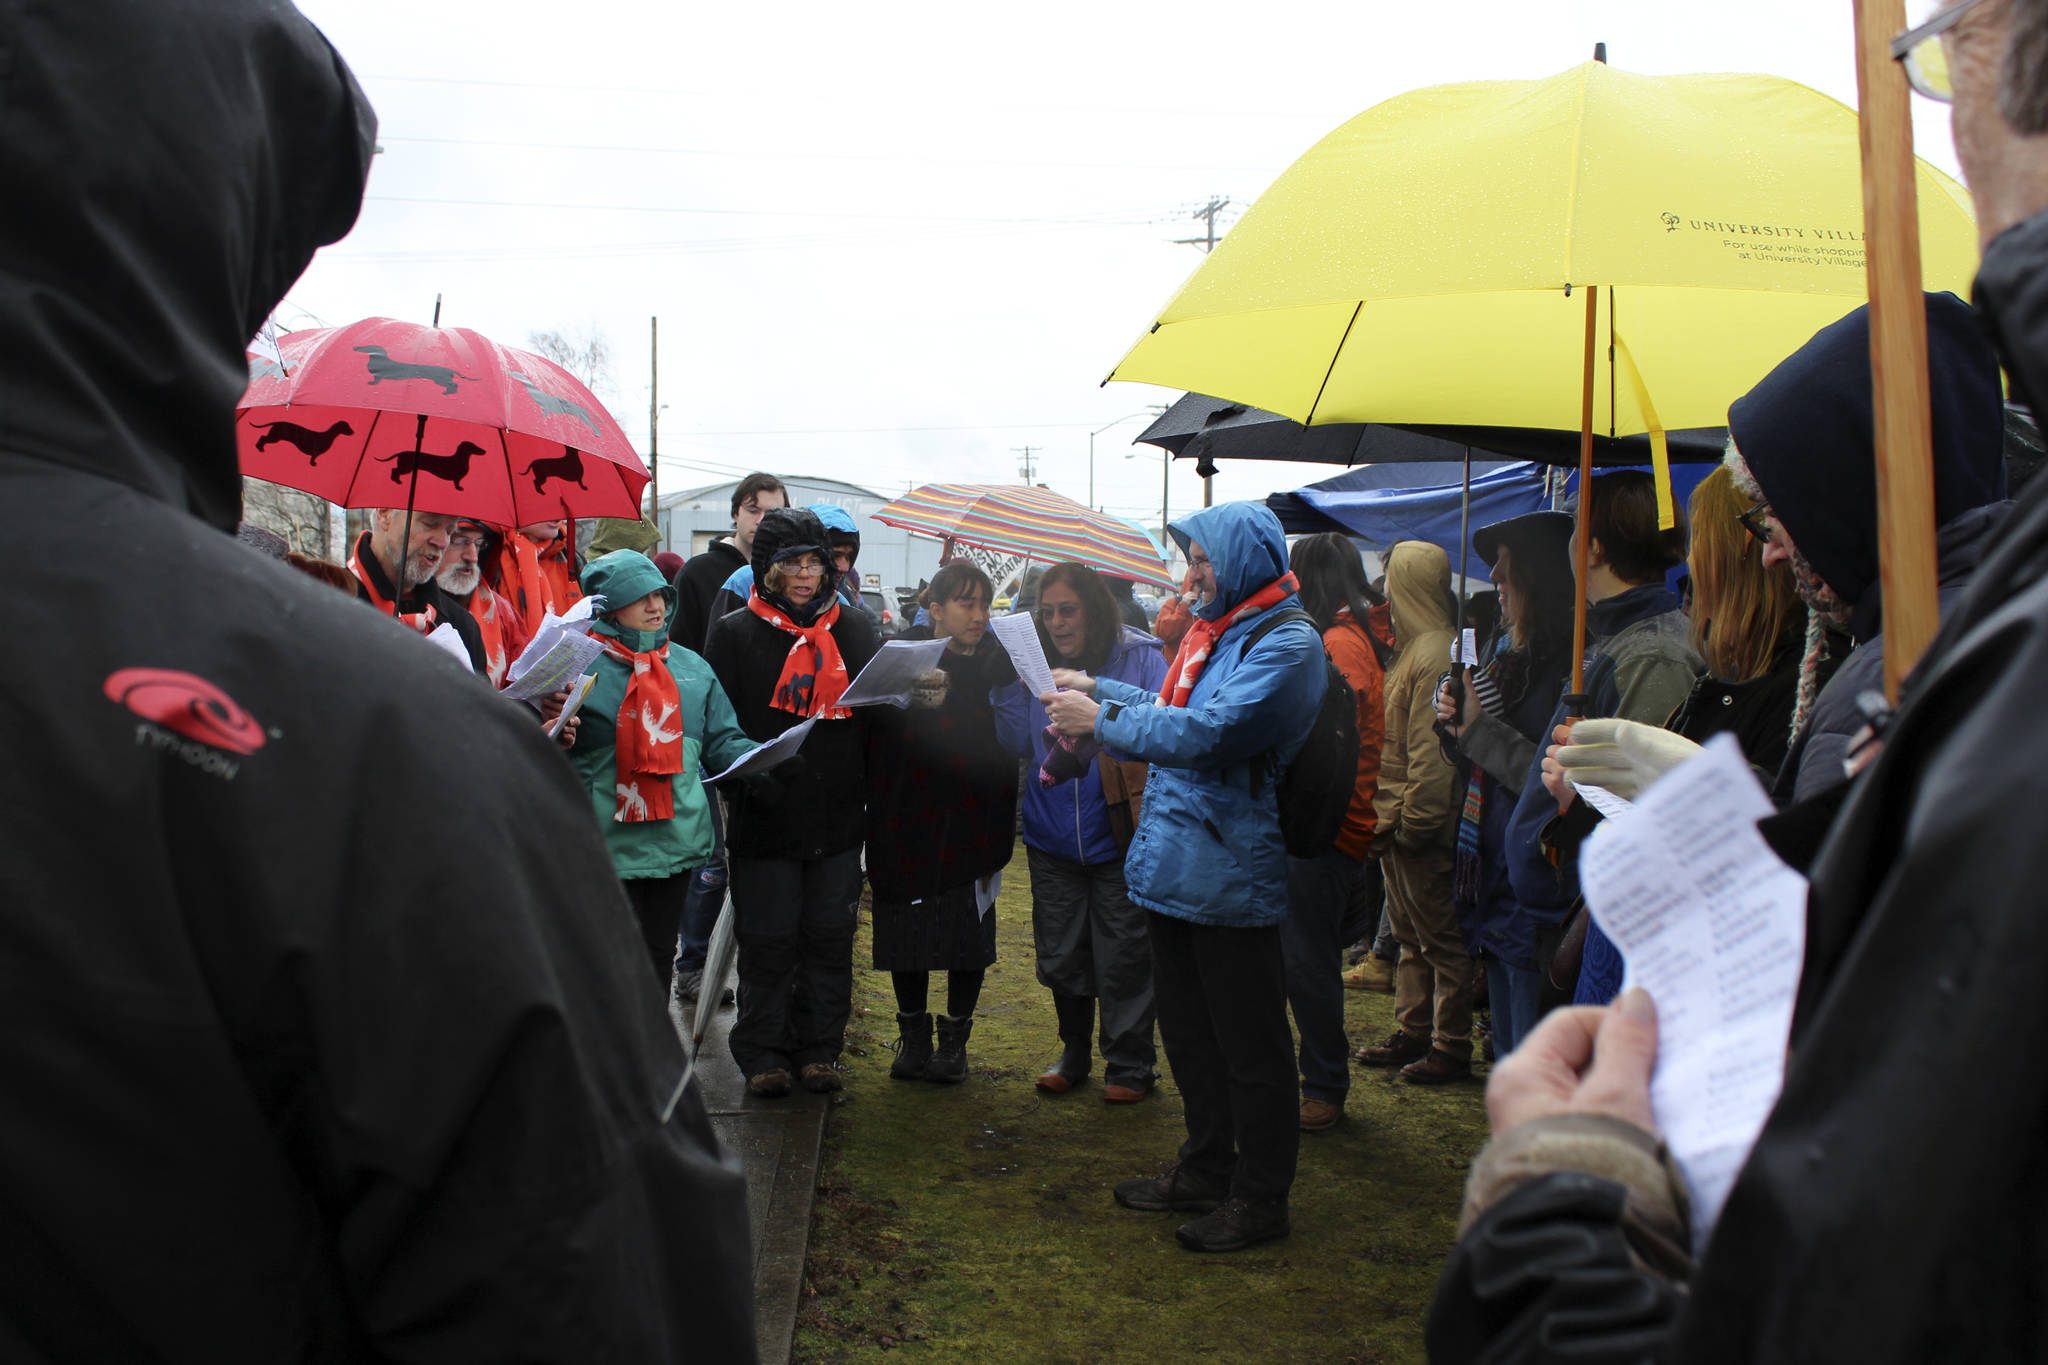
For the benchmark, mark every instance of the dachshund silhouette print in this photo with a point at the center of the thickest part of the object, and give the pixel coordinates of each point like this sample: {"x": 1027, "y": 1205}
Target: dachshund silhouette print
{"x": 454, "y": 468}
{"x": 383, "y": 367}
{"x": 307, "y": 441}
{"x": 560, "y": 406}
{"x": 567, "y": 466}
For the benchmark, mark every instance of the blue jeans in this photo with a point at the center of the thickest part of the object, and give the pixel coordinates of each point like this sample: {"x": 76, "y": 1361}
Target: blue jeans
{"x": 1312, "y": 949}
{"x": 706, "y": 898}
{"x": 1515, "y": 995}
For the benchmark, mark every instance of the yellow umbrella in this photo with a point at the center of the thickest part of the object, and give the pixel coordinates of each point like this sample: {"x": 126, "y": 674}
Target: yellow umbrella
{"x": 1457, "y": 255}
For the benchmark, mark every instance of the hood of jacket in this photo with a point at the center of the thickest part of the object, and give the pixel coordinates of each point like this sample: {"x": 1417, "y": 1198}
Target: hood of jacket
{"x": 783, "y": 534}
{"x": 184, "y": 159}
{"x": 1245, "y": 544}
{"x": 1418, "y": 590}
{"x": 622, "y": 578}
{"x": 1806, "y": 433}
{"x": 839, "y": 524}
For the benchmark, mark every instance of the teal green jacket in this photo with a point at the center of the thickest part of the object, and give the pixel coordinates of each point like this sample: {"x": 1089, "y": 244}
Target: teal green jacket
{"x": 712, "y": 738}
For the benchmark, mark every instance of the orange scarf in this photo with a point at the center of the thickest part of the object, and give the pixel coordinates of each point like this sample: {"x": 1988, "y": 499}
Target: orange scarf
{"x": 1202, "y": 635}
{"x": 557, "y": 570}
{"x": 422, "y": 621}
{"x": 650, "y": 736}
{"x": 483, "y": 606}
{"x": 813, "y": 675}
{"x": 518, "y": 577}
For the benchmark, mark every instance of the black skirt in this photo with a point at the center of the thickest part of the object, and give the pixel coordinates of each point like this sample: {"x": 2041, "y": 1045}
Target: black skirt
{"x": 942, "y": 933}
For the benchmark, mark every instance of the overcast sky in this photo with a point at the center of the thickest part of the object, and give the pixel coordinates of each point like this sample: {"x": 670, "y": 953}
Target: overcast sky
{"x": 894, "y": 243}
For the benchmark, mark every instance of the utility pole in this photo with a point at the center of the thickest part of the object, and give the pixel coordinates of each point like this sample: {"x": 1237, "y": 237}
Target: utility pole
{"x": 1207, "y": 213}
{"x": 654, "y": 420}
{"x": 1027, "y": 452}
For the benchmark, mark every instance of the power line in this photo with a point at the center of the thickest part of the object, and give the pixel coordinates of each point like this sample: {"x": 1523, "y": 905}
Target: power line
{"x": 1125, "y": 217}
{"x": 1217, "y": 203}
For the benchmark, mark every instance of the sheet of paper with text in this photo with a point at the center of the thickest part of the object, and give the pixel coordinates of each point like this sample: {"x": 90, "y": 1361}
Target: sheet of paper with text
{"x": 1019, "y": 636}
{"x": 888, "y": 676}
{"x": 1713, "y": 925}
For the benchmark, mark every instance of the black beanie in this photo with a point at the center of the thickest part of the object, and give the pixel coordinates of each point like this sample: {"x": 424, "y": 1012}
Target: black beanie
{"x": 1806, "y": 433}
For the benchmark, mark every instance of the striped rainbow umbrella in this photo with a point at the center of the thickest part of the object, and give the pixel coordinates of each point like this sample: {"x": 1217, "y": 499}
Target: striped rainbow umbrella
{"x": 1036, "y": 522}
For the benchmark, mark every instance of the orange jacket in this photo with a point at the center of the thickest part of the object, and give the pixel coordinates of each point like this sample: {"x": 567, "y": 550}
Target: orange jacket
{"x": 558, "y": 569}
{"x": 1353, "y": 654}
{"x": 515, "y": 572}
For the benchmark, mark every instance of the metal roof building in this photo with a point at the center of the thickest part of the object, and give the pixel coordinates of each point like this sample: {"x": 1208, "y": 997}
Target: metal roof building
{"x": 889, "y": 558}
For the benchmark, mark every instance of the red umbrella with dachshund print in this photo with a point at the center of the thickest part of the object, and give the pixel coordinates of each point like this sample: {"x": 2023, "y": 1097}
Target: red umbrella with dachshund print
{"x": 434, "y": 419}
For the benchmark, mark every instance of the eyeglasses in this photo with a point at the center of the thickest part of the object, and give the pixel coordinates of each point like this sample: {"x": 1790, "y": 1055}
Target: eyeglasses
{"x": 465, "y": 542}
{"x": 1199, "y": 562}
{"x": 1059, "y": 611}
{"x": 1925, "y": 59}
{"x": 1757, "y": 521}
{"x": 804, "y": 568}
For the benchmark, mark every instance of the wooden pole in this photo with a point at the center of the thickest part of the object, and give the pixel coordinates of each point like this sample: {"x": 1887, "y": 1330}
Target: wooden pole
{"x": 1898, "y": 346}
{"x": 654, "y": 420}
{"x": 1576, "y": 707}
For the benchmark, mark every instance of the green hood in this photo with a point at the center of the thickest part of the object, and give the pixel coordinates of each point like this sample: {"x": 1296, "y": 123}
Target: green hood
{"x": 622, "y": 578}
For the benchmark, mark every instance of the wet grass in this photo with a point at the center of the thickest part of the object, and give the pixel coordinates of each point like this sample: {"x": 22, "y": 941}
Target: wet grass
{"x": 974, "y": 1223}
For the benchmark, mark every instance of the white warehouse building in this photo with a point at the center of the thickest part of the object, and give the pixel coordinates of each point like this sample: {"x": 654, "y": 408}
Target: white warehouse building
{"x": 889, "y": 558}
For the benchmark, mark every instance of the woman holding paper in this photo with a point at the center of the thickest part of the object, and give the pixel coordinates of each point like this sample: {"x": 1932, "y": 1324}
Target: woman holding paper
{"x": 795, "y": 833}
{"x": 942, "y": 810}
{"x": 653, "y": 712}
{"x": 1091, "y": 940}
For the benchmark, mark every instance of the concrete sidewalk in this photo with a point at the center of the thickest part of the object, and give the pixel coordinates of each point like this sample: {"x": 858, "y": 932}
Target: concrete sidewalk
{"x": 777, "y": 1142}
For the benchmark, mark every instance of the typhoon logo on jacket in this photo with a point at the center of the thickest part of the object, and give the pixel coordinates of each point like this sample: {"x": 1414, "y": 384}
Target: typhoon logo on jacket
{"x": 186, "y": 716}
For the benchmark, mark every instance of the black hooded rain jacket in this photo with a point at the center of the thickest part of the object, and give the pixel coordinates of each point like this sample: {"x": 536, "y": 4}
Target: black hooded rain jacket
{"x": 325, "y": 1030}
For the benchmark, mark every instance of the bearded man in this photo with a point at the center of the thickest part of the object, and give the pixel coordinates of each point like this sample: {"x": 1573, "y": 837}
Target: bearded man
{"x": 461, "y": 577}
{"x": 422, "y": 604}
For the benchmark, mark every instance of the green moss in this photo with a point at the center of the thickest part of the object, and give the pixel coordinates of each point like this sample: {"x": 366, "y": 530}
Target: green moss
{"x": 974, "y": 1223}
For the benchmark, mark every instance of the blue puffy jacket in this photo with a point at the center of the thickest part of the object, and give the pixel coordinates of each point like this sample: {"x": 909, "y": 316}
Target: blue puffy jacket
{"x": 1070, "y": 820}
{"x": 1208, "y": 849}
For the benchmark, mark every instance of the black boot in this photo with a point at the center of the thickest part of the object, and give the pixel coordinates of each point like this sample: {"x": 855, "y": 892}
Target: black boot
{"x": 1076, "y": 1014}
{"x": 948, "y": 1065}
{"x": 913, "y": 1046}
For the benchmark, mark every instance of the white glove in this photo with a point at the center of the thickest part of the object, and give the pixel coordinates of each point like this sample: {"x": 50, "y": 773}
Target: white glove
{"x": 1622, "y": 756}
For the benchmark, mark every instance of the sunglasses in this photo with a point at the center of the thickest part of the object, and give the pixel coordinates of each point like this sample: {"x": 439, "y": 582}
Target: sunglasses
{"x": 1060, "y": 611}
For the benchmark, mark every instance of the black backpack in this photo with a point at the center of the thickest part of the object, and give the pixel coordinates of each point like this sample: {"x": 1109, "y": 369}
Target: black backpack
{"x": 1316, "y": 790}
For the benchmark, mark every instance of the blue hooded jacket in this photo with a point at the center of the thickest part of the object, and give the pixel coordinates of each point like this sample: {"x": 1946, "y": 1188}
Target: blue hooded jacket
{"x": 1070, "y": 820}
{"x": 1207, "y": 848}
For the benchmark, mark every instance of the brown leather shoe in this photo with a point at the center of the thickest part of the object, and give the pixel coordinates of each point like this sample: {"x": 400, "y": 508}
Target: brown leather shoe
{"x": 1398, "y": 1050}
{"x": 1117, "y": 1093}
{"x": 1438, "y": 1067}
{"x": 1318, "y": 1115}
{"x": 822, "y": 1078}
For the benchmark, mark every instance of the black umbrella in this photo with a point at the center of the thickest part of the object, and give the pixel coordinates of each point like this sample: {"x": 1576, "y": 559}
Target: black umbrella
{"x": 1206, "y": 429}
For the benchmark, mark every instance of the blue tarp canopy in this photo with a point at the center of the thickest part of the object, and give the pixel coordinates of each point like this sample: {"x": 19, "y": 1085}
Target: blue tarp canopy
{"x": 1379, "y": 505}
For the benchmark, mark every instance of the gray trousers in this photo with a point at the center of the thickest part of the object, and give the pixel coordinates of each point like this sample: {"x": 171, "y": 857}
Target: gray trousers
{"x": 794, "y": 921}
{"x": 1092, "y": 943}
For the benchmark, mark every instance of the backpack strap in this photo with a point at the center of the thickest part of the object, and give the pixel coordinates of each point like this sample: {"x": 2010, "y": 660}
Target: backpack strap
{"x": 1269, "y": 623}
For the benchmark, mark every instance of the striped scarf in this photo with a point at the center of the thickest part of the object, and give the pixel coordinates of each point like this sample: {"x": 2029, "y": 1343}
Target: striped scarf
{"x": 1505, "y": 672}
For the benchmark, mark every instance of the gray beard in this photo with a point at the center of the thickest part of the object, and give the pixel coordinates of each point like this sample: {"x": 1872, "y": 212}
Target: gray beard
{"x": 459, "y": 582}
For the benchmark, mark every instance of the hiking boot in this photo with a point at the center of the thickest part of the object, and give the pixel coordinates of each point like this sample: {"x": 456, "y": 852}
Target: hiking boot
{"x": 1399, "y": 1050}
{"x": 1318, "y": 1115}
{"x": 1069, "y": 1071}
{"x": 1178, "y": 1191}
{"x": 1438, "y": 1067}
{"x": 688, "y": 984}
{"x": 913, "y": 1046}
{"x": 948, "y": 1065}
{"x": 1116, "y": 1092}
{"x": 1235, "y": 1225}
{"x": 768, "y": 1085}
{"x": 1374, "y": 973}
{"x": 822, "y": 1078}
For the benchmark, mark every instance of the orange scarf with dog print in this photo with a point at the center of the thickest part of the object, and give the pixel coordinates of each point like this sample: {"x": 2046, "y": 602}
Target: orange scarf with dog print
{"x": 813, "y": 675}
{"x": 650, "y": 736}
{"x": 1203, "y": 635}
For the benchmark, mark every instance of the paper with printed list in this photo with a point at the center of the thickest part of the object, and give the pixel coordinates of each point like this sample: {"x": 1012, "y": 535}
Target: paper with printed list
{"x": 888, "y": 676}
{"x": 1466, "y": 653}
{"x": 1018, "y": 634}
{"x": 762, "y": 757}
{"x": 561, "y": 651}
{"x": 1713, "y": 926}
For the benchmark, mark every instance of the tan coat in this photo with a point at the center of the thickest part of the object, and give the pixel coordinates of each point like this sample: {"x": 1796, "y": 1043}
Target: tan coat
{"x": 1416, "y": 807}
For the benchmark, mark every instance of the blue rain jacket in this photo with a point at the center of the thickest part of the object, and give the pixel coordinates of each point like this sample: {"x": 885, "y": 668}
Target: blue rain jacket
{"x": 1208, "y": 849}
{"x": 1070, "y": 820}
